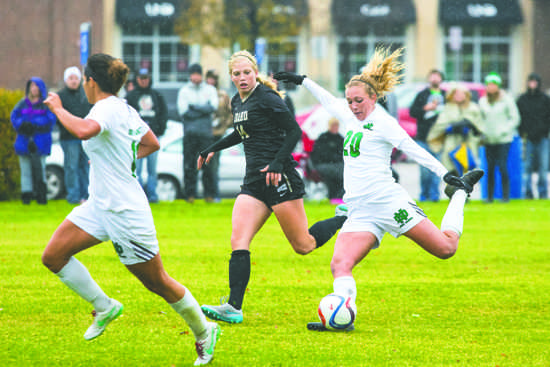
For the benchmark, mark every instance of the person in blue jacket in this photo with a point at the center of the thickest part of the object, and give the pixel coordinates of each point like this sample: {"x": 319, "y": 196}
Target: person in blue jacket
{"x": 33, "y": 122}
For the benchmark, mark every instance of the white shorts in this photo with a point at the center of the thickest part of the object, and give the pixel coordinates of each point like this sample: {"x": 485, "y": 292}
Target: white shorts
{"x": 395, "y": 214}
{"x": 132, "y": 232}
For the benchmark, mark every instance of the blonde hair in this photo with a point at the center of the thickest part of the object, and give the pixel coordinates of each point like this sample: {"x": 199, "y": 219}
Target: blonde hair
{"x": 381, "y": 74}
{"x": 254, "y": 63}
{"x": 455, "y": 87}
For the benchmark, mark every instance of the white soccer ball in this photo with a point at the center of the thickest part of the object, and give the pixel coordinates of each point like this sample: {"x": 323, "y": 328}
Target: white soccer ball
{"x": 337, "y": 312}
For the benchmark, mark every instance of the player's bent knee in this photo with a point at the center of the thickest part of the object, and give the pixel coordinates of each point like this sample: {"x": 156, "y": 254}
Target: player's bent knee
{"x": 447, "y": 251}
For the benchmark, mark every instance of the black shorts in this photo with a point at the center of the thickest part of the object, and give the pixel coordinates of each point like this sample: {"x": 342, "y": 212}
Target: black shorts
{"x": 291, "y": 187}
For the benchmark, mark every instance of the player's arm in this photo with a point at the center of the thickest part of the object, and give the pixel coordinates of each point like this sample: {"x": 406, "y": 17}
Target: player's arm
{"x": 148, "y": 144}
{"x": 293, "y": 135}
{"x": 81, "y": 128}
{"x": 228, "y": 141}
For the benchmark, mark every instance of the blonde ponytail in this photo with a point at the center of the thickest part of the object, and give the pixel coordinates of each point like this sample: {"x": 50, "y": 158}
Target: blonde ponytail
{"x": 381, "y": 74}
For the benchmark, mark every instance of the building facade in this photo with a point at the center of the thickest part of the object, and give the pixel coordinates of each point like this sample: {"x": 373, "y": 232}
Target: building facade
{"x": 464, "y": 38}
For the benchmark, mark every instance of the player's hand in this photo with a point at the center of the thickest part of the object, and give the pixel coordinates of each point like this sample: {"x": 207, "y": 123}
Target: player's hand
{"x": 453, "y": 180}
{"x": 53, "y": 101}
{"x": 204, "y": 158}
{"x": 271, "y": 178}
{"x": 287, "y": 76}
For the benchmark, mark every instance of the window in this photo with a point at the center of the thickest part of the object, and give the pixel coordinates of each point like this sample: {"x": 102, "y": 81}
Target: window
{"x": 282, "y": 56}
{"x": 154, "y": 46}
{"x": 485, "y": 48}
{"x": 355, "y": 51}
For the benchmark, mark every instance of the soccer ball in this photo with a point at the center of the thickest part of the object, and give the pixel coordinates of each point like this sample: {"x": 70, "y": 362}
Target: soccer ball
{"x": 337, "y": 312}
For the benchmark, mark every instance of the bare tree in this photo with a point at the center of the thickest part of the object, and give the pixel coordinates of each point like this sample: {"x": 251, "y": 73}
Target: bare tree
{"x": 221, "y": 23}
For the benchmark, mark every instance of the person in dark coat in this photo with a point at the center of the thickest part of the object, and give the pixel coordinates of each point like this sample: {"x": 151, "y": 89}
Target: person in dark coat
{"x": 33, "y": 122}
{"x": 327, "y": 159}
{"x": 425, "y": 109}
{"x": 151, "y": 106}
{"x": 534, "y": 110}
{"x": 75, "y": 160}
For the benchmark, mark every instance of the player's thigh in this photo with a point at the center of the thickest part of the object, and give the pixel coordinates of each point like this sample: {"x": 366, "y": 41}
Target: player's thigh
{"x": 433, "y": 240}
{"x": 249, "y": 215}
{"x": 67, "y": 240}
{"x": 350, "y": 248}
{"x": 292, "y": 218}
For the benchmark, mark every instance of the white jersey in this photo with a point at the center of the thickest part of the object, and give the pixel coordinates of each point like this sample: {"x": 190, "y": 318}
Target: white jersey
{"x": 368, "y": 146}
{"x": 113, "y": 155}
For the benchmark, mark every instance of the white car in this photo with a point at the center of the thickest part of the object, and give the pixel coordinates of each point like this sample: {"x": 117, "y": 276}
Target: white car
{"x": 169, "y": 168}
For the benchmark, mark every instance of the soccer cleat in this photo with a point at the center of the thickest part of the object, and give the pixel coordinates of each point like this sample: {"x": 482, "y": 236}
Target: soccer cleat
{"x": 318, "y": 326}
{"x": 224, "y": 312}
{"x": 470, "y": 177}
{"x": 102, "y": 319}
{"x": 341, "y": 210}
{"x": 205, "y": 347}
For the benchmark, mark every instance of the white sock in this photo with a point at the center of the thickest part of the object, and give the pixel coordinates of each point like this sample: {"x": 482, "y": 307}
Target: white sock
{"x": 189, "y": 309}
{"x": 453, "y": 220}
{"x": 345, "y": 286}
{"x": 75, "y": 276}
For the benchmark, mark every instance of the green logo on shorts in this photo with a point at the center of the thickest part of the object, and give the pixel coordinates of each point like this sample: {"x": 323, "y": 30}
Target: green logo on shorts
{"x": 119, "y": 250}
{"x": 402, "y": 217}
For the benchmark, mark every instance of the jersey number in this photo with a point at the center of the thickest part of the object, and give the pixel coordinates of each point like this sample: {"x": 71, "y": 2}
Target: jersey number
{"x": 352, "y": 144}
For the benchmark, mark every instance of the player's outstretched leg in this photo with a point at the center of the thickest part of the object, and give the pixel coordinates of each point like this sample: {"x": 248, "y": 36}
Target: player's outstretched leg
{"x": 205, "y": 347}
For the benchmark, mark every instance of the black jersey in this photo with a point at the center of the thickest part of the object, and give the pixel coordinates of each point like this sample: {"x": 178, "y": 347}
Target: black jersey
{"x": 261, "y": 133}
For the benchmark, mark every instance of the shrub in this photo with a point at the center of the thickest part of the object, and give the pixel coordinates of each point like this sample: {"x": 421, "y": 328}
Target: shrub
{"x": 9, "y": 163}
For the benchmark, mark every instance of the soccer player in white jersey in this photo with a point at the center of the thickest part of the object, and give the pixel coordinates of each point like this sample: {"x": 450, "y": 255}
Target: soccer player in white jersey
{"x": 117, "y": 209}
{"x": 376, "y": 203}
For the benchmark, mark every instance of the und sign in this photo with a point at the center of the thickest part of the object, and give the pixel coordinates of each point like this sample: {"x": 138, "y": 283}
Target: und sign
{"x": 482, "y": 10}
{"x": 159, "y": 9}
{"x": 375, "y": 10}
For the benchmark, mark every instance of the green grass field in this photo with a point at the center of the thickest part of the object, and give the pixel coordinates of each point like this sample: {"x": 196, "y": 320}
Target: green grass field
{"x": 487, "y": 306}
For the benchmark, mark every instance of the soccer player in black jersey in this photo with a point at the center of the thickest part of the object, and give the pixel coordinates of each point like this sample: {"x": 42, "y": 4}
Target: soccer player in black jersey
{"x": 269, "y": 133}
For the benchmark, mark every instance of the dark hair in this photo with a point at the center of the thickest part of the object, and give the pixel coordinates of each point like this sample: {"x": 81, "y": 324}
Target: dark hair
{"x": 437, "y": 71}
{"x": 109, "y": 73}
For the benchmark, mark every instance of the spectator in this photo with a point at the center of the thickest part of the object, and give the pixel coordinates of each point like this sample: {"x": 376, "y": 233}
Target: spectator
{"x": 327, "y": 158}
{"x": 197, "y": 102}
{"x": 425, "y": 108}
{"x": 152, "y": 109}
{"x": 75, "y": 163}
{"x": 499, "y": 123}
{"x": 223, "y": 119}
{"x": 534, "y": 110}
{"x": 458, "y": 123}
{"x": 33, "y": 122}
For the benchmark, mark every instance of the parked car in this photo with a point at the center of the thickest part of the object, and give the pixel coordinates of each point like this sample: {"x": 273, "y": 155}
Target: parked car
{"x": 169, "y": 168}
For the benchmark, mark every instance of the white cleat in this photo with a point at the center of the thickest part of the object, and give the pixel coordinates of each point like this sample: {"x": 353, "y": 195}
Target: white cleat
{"x": 205, "y": 347}
{"x": 102, "y": 319}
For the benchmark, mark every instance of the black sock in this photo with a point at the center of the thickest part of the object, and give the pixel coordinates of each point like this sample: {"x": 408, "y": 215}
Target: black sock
{"x": 324, "y": 230}
{"x": 239, "y": 275}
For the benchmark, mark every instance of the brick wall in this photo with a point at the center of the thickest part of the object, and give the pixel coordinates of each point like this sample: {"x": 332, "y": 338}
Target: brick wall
{"x": 41, "y": 38}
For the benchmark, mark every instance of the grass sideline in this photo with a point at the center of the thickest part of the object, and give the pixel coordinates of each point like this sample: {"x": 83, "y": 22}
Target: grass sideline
{"x": 487, "y": 306}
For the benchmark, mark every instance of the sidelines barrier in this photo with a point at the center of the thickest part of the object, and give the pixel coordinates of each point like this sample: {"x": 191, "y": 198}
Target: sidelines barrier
{"x": 515, "y": 172}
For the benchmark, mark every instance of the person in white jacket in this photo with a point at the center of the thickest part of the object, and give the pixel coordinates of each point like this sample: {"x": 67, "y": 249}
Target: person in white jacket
{"x": 499, "y": 125}
{"x": 376, "y": 203}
